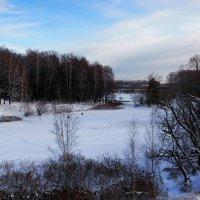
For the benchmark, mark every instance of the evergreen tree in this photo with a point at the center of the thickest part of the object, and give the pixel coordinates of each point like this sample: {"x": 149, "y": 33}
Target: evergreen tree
{"x": 153, "y": 92}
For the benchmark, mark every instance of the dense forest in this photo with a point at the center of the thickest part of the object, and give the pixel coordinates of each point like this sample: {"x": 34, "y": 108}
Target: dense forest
{"x": 47, "y": 75}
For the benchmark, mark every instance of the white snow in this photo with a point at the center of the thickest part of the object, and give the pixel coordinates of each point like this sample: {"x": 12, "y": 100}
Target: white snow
{"x": 106, "y": 131}
{"x": 100, "y": 131}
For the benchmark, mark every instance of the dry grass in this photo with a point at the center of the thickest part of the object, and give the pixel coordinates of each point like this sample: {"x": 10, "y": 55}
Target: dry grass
{"x": 108, "y": 106}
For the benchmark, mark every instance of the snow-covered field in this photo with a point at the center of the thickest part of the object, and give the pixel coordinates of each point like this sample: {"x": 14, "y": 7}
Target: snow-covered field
{"x": 100, "y": 131}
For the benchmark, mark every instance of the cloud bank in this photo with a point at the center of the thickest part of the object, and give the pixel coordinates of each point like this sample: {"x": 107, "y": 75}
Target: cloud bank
{"x": 159, "y": 40}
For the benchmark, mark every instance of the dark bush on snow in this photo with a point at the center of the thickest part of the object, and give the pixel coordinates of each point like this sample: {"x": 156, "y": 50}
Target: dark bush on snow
{"x": 9, "y": 118}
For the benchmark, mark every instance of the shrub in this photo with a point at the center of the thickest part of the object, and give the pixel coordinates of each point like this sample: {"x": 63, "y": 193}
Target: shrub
{"x": 28, "y": 111}
{"x": 41, "y": 108}
{"x": 9, "y": 118}
{"x": 81, "y": 178}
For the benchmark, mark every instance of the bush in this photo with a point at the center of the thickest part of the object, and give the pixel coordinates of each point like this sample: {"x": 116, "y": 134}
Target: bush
{"x": 28, "y": 111}
{"x": 138, "y": 99}
{"x": 9, "y": 118}
{"x": 105, "y": 178}
{"x": 61, "y": 109}
{"x": 41, "y": 108}
{"x": 28, "y": 114}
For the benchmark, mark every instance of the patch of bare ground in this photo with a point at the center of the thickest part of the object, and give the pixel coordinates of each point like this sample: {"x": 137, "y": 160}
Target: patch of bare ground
{"x": 108, "y": 106}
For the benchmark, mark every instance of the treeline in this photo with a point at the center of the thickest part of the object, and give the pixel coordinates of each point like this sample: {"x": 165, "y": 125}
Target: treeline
{"x": 130, "y": 86}
{"x": 186, "y": 80}
{"x": 50, "y": 76}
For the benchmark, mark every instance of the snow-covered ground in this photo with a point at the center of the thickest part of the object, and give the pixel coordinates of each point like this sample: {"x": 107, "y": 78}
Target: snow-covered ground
{"x": 101, "y": 132}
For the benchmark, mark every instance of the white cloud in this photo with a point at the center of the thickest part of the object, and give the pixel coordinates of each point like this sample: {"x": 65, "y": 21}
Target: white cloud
{"x": 112, "y": 9}
{"x": 159, "y": 41}
{"x": 17, "y": 30}
{"x": 17, "y": 26}
{"x": 7, "y": 7}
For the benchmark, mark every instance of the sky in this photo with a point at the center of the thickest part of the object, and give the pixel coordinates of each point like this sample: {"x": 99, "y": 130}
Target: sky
{"x": 134, "y": 37}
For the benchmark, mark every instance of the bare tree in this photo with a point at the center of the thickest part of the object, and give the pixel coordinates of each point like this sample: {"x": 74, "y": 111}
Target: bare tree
{"x": 66, "y": 126}
{"x": 131, "y": 152}
{"x": 194, "y": 62}
{"x": 178, "y": 123}
{"x": 108, "y": 78}
{"x": 152, "y": 145}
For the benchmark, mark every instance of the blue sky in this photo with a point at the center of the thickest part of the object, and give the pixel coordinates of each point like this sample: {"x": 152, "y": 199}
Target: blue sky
{"x": 134, "y": 37}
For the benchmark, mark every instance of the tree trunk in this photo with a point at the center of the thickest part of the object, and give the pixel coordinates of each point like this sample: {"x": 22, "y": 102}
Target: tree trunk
{"x": 181, "y": 167}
